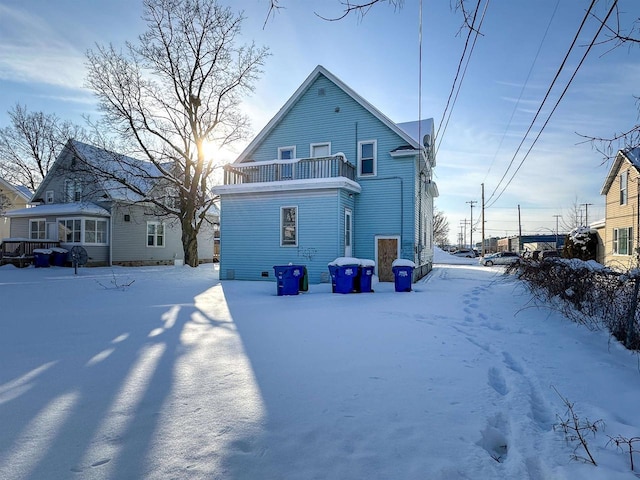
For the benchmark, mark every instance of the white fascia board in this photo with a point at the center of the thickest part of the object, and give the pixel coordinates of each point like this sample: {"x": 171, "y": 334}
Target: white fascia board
{"x": 289, "y": 185}
{"x": 404, "y": 153}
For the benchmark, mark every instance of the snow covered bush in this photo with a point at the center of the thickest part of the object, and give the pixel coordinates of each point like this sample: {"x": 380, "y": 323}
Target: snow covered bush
{"x": 587, "y": 293}
{"x": 582, "y": 243}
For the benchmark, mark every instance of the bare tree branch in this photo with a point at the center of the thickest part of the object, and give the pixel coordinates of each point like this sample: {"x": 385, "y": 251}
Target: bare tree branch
{"x": 176, "y": 89}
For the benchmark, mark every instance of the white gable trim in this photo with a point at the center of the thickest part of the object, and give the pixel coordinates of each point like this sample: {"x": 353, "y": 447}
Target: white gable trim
{"x": 320, "y": 70}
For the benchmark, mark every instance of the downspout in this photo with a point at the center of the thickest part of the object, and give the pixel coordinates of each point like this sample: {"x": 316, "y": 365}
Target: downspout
{"x": 111, "y": 237}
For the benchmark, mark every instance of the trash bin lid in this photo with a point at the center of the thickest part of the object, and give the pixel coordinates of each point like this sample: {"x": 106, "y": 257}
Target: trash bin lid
{"x": 403, "y": 262}
{"x": 44, "y": 251}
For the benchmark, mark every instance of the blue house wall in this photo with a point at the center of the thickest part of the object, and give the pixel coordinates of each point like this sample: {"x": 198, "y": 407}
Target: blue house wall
{"x": 250, "y": 233}
{"x": 391, "y": 203}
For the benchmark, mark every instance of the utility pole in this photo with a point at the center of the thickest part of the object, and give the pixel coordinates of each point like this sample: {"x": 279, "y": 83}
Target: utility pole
{"x": 472, "y": 203}
{"x": 586, "y": 213}
{"x": 519, "y": 230}
{"x": 463, "y": 225}
{"x": 557, "y": 217}
{"x": 482, "y": 248}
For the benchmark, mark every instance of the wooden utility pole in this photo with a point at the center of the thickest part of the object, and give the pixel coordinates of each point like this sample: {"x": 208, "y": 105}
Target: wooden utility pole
{"x": 482, "y": 251}
{"x": 471, "y": 202}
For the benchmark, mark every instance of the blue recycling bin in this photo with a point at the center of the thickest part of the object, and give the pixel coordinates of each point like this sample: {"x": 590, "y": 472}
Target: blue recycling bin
{"x": 345, "y": 278}
{"x": 59, "y": 256}
{"x": 41, "y": 257}
{"x": 288, "y": 278}
{"x": 333, "y": 268}
{"x": 403, "y": 275}
{"x": 365, "y": 278}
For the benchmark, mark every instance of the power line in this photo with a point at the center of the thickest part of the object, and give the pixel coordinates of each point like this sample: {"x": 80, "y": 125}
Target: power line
{"x": 575, "y": 72}
{"x": 553, "y": 82}
{"x": 524, "y": 86}
{"x": 464, "y": 72}
{"x": 455, "y": 80}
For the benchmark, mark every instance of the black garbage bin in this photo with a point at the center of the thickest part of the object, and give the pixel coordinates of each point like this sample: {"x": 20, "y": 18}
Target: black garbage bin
{"x": 403, "y": 274}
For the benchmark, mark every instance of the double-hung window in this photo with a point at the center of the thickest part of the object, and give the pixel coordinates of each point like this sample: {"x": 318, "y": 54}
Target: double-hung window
{"x": 289, "y": 226}
{"x": 367, "y": 153}
{"x": 72, "y": 190}
{"x": 38, "y": 229}
{"x": 623, "y": 241}
{"x": 155, "y": 234}
{"x": 624, "y": 182}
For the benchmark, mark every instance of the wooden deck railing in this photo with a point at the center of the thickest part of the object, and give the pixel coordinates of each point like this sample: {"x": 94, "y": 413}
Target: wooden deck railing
{"x": 283, "y": 170}
{"x": 19, "y": 251}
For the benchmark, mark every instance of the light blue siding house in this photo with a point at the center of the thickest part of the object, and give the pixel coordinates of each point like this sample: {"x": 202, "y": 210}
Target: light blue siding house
{"x": 329, "y": 176}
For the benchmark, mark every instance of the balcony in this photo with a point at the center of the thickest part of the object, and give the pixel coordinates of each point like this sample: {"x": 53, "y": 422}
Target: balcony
{"x": 333, "y": 166}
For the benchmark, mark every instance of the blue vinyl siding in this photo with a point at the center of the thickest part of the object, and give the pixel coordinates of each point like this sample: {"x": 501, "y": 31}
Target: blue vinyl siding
{"x": 389, "y": 203}
{"x": 250, "y": 233}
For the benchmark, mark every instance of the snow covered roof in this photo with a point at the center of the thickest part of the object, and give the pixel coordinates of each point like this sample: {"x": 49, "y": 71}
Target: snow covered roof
{"x": 57, "y": 209}
{"x": 137, "y": 172}
{"x": 21, "y": 190}
{"x": 632, "y": 155}
{"x": 418, "y": 129}
{"x": 320, "y": 70}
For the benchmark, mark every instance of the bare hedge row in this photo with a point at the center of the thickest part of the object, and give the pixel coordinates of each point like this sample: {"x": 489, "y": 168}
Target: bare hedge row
{"x": 587, "y": 293}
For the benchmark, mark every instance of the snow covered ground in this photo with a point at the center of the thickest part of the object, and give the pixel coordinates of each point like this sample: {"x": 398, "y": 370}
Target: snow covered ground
{"x": 180, "y": 376}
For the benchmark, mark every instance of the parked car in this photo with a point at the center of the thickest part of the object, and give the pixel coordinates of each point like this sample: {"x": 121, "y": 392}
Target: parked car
{"x": 465, "y": 253}
{"x": 500, "y": 258}
{"x": 548, "y": 254}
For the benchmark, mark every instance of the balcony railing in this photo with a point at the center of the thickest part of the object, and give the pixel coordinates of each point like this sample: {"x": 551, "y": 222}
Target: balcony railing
{"x": 283, "y": 170}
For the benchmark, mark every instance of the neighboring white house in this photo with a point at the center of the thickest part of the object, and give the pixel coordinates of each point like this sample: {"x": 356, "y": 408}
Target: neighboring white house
{"x": 114, "y": 225}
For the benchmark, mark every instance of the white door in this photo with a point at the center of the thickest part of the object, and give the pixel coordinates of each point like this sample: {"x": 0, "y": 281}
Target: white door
{"x": 348, "y": 233}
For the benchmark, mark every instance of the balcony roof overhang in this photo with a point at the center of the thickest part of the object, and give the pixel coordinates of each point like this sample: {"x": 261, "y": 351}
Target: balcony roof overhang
{"x": 289, "y": 186}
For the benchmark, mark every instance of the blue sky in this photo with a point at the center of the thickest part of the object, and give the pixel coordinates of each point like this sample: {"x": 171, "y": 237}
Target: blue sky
{"x": 42, "y": 47}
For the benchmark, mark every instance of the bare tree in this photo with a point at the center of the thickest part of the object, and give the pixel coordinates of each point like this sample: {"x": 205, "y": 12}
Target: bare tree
{"x": 572, "y": 218}
{"x": 440, "y": 228}
{"x": 179, "y": 87}
{"x": 30, "y": 145}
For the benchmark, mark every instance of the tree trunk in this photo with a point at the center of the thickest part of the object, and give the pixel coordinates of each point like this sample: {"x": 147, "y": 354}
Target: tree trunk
{"x": 189, "y": 243}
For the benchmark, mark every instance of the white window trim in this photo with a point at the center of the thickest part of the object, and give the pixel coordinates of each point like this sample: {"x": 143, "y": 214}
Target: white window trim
{"x": 33, "y": 220}
{"x": 624, "y": 188}
{"x": 83, "y": 230}
{"x": 616, "y": 241}
{"x": 155, "y": 241}
{"x": 65, "y": 219}
{"x": 291, "y": 147}
{"x": 49, "y": 197}
{"x": 282, "y": 226}
{"x": 375, "y": 158}
{"x": 321, "y": 144}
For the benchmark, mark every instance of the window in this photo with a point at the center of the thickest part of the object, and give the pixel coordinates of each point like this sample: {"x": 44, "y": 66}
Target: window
{"x": 155, "y": 234}
{"x": 286, "y": 153}
{"x": 72, "y": 190}
{"x": 38, "y": 229}
{"x": 70, "y": 230}
{"x": 367, "y": 158}
{"x": 289, "y": 226}
{"x": 95, "y": 231}
{"x": 624, "y": 176}
{"x": 622, "y": 241}
{"x": 286, "y": 170}
{"x": 48, "y": 196}
{"x": 320, "y": 149}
